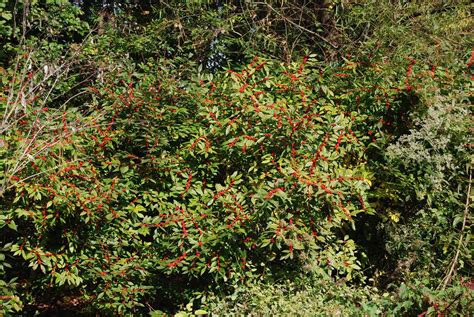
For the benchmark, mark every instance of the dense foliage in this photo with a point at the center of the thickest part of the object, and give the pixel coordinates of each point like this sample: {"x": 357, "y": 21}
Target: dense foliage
{"x": 201, "y": 157}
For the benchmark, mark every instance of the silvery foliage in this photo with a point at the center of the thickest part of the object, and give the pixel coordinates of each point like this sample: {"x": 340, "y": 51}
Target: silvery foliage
{"x": 434, "y": 146}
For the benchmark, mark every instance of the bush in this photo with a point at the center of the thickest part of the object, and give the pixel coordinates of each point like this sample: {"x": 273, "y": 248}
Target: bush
{"x": 201, "y": 181}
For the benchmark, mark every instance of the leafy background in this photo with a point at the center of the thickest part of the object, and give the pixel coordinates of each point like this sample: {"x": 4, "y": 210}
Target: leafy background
{"x": 227, "y": 157}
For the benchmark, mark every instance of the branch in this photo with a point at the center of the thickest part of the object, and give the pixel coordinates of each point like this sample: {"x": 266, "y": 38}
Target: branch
{"x": 298, "y": 26}
{"x": 454, "y": 262}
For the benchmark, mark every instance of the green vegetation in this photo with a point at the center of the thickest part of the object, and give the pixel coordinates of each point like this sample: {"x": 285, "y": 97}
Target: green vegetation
{"x": 285, "y": 157}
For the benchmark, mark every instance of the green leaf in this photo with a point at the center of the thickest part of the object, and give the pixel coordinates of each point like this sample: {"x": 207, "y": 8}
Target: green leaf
{"x": 124, "y": 169}
{"x": 200, "y": 312}
{"x": 12, "y": 225}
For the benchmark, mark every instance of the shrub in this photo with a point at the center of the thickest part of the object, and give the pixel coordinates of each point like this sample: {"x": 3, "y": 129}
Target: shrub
{"x": 206, "y": 180}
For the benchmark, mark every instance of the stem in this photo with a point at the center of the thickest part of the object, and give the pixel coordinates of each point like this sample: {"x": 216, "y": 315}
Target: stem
{"x": 454, "y": 262}
{"x": 298, "y": 26}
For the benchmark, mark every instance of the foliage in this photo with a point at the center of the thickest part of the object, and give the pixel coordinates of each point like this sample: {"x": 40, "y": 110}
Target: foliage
{"x": 210, "y": 186}
{"x": 320, "y": 296}
{"x": 430, "y": 165}
{"x": 153, "y": 164}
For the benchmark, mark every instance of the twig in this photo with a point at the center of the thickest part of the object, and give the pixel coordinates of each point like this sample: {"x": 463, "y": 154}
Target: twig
{"x": 452, "y": 302}
{"x": 298, "y": 26}
{"x": 454, "y": 262}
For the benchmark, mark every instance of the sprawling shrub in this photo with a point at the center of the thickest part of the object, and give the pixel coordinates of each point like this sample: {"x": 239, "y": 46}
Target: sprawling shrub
{"x": 203, "y": 180}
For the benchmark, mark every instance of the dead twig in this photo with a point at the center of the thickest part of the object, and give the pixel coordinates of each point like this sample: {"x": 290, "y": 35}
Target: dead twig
{"x": 448, "y": 277}
{"x": 299, "y": 26}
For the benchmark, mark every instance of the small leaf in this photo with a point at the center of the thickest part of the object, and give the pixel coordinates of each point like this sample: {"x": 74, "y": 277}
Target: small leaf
{"x": 12, "y": 225}
{"x": 200, "y": 312}
{"x": 124, "y": 169}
